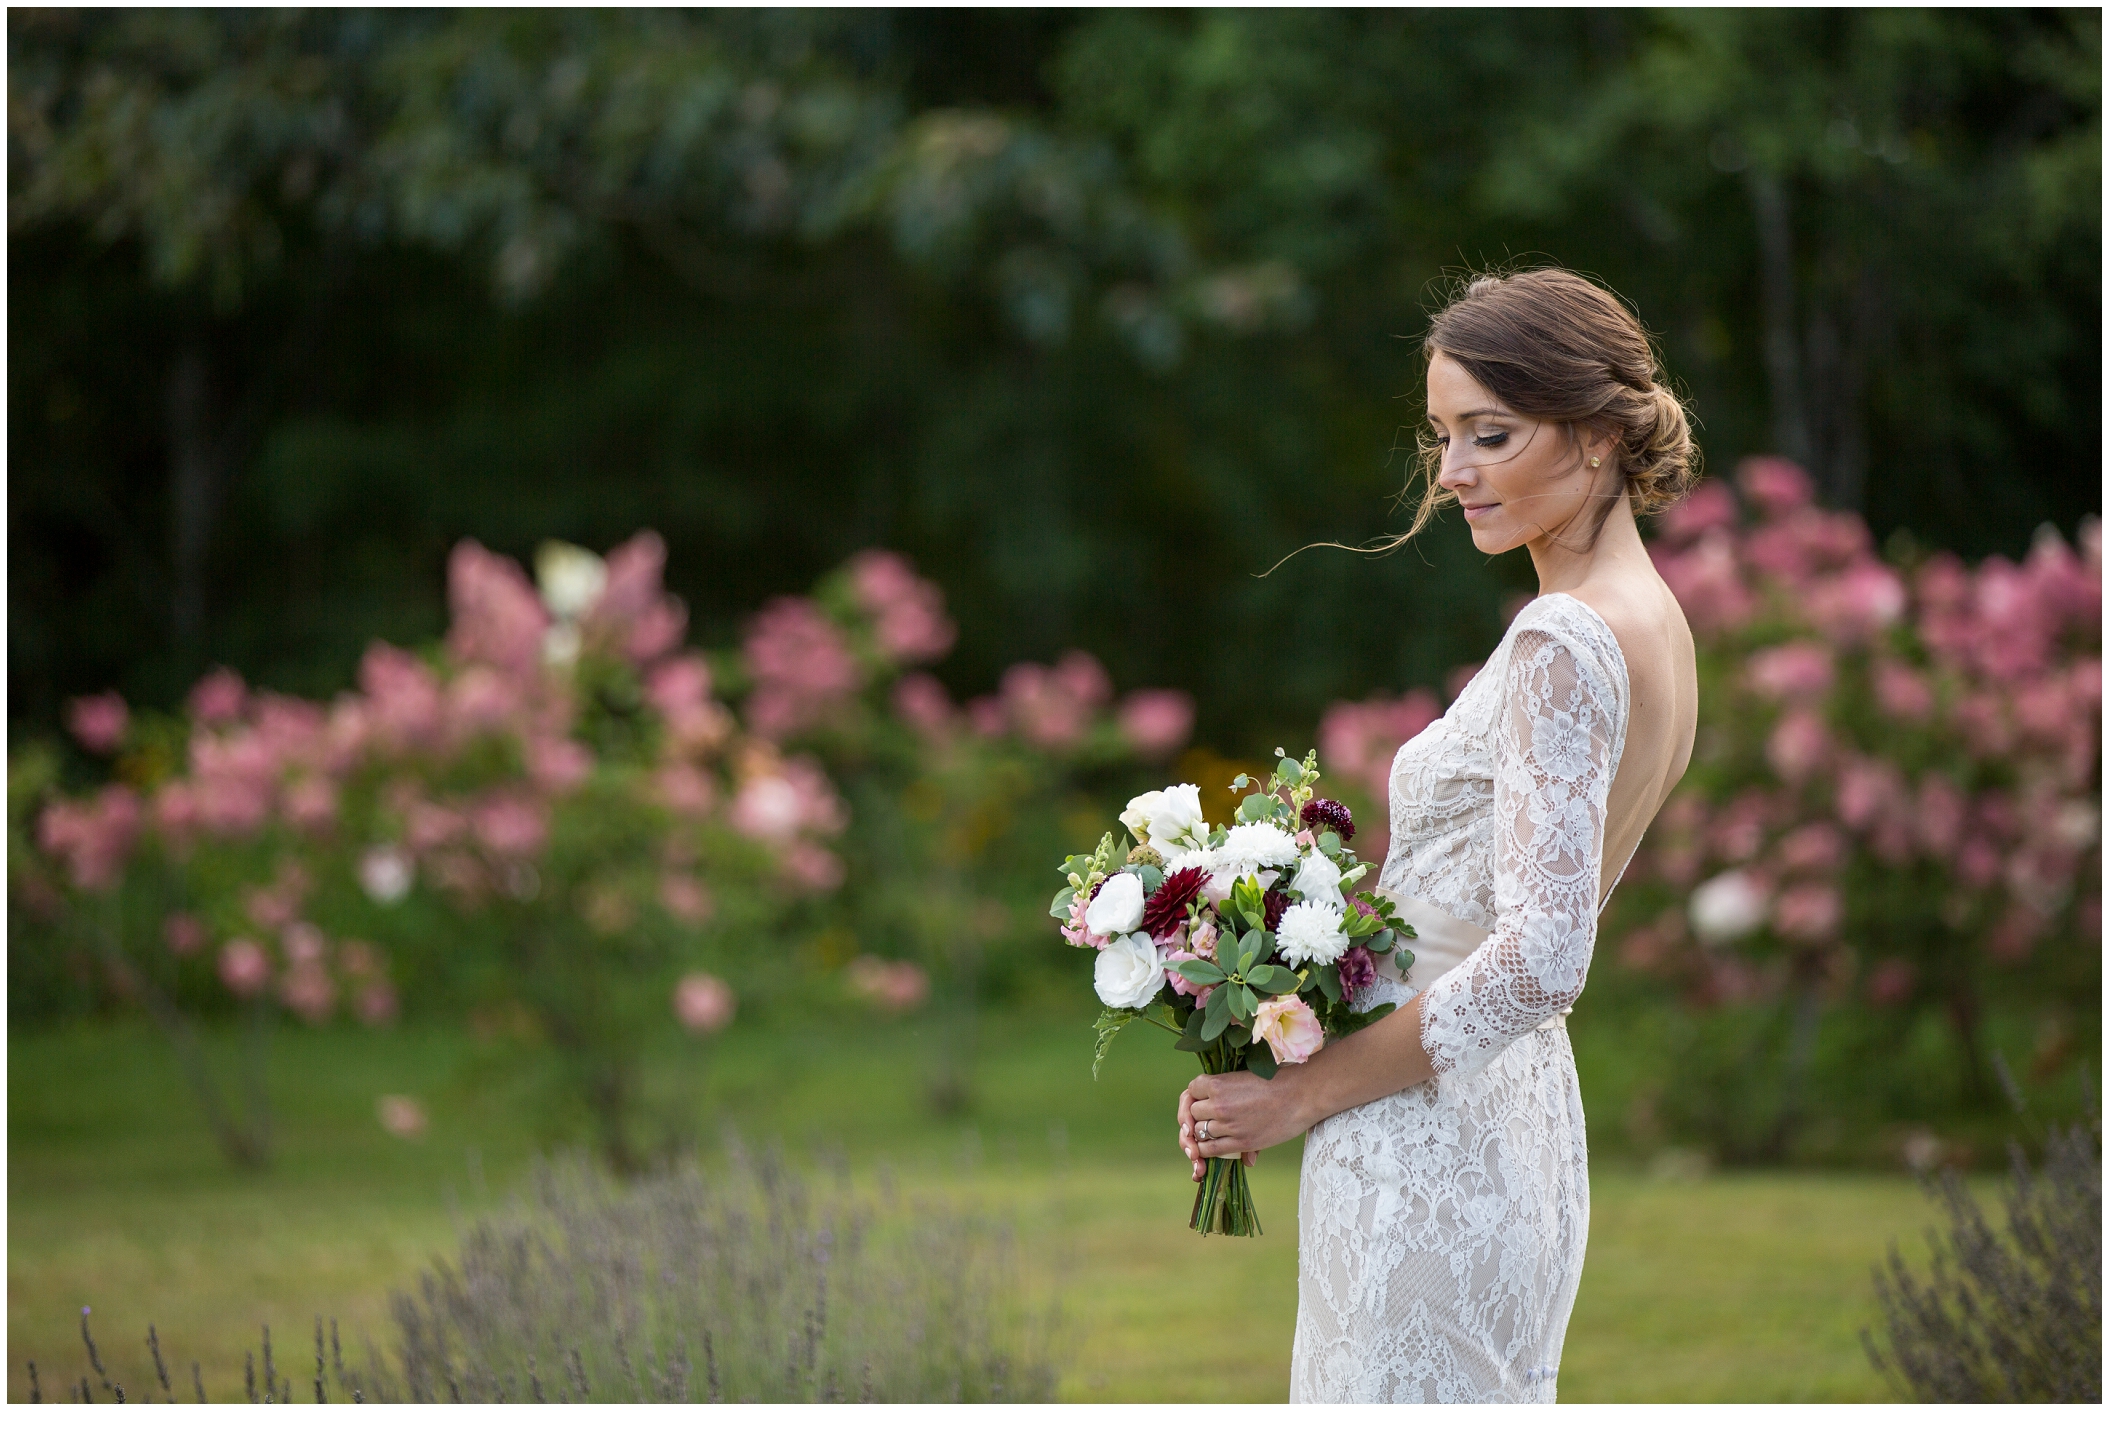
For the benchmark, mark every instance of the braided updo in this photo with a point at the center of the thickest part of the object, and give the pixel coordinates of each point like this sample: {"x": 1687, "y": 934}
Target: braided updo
{"x": 1554, "y": 347}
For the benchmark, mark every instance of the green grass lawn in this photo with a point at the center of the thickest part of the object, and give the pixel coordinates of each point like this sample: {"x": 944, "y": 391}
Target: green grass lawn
{"x": 1729, "y": 1287}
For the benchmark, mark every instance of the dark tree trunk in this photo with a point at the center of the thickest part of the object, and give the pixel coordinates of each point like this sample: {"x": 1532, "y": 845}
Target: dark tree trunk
{"x": 1783, "y": 369}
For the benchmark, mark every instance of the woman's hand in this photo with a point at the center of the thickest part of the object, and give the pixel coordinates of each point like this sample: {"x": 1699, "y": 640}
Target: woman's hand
{"x": 1244, "y": 1113}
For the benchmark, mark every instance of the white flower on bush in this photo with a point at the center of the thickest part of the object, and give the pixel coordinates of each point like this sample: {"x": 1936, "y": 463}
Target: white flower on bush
{"x": 1310, "y": 933}
{"x": 1167, "y": 819}
{"x": 1129, "y": 972}
{"x": 1252, "y": 846}
{"x": 1728, "y": 907}
{"x": 1118, "y": 906}
{"x": 1318, "y": 879}
{"x": 386, "y": 874}
{"x": 571, "y": 579}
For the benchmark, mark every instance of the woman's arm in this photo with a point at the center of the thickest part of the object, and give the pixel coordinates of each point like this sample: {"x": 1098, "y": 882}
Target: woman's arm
{"x": 1246, "y": 1112}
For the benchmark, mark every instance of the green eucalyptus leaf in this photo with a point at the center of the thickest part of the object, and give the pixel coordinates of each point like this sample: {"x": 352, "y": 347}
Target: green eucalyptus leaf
{"x": 1289, "y": 770}
{"x": 1260, "y": 1059}
{"x": 1152, "y": 878}
{"x": 1217, "y": 1022}
{"x": 1328, "y": 978}
{"x": 1383, "y": 941}
{"x": 1059, "y": 908}
{"x": 1201, "y": 973}
{"x": 1329, "y": 843}
{"x": 1263, "y": 948}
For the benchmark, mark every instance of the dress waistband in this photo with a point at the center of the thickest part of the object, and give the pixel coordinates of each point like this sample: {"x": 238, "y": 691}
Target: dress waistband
{"x": 1440, "y": 943}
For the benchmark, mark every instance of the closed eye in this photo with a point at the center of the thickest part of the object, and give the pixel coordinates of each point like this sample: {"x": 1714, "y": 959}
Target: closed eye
{"x": 1498, "y": 438}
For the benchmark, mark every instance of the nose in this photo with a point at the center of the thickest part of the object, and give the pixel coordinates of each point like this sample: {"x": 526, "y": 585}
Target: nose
{"x": 1452, "y": 476}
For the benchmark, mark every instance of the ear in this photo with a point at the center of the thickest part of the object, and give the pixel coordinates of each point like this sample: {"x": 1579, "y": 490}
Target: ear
{"x": 1601, "y": 440}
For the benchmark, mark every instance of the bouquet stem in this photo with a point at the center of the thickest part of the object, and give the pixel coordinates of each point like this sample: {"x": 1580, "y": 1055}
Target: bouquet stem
{"x": 1223, "y": 1201}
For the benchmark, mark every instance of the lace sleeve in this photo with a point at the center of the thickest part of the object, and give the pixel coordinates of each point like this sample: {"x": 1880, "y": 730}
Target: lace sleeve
{"x": 1553, "y": 758}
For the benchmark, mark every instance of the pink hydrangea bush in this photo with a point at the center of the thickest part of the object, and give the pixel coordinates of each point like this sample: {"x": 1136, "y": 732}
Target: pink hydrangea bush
{"x": 546, "y": 805}
{"x": 1894, "y": 797}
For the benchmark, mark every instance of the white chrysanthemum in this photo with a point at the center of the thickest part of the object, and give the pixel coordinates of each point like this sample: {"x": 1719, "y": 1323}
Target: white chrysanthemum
{"x": 1252, "y": 846}
{"x": 1318, "y": 879}
{"x": 1310, "y": 933}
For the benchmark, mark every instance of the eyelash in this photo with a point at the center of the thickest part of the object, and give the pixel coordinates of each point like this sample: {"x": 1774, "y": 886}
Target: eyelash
{"x": 1499, "y": 438}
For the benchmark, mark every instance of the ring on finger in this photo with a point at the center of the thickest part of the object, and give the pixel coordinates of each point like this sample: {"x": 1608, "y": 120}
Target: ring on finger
{"x": 1205, "y": 1135}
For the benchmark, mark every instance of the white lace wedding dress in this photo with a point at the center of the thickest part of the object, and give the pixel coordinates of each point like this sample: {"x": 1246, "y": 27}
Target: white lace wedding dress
{"x": 1442, "y": 1228}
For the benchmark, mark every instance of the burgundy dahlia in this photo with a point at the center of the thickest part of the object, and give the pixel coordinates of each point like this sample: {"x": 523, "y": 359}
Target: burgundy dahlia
{"x": 1277, "y": 903}
{"x": 1166, "y": 907}
{"x": 1358, "y": 969}
{"x": 1325, "y": 812}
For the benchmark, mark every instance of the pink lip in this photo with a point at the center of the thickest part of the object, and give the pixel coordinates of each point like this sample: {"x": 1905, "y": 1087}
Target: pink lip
{"x": 1474, "y": 513}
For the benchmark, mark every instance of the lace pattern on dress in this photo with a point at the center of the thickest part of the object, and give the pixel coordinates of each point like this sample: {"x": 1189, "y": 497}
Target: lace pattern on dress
{"x": 1442, "y": 1228}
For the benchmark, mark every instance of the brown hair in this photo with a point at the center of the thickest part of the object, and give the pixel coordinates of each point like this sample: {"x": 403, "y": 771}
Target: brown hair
{"x": 1555, "y": 347}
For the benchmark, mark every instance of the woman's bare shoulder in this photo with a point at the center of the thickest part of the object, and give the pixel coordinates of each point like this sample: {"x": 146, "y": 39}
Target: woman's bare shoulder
{"x": 1643, "y": 614}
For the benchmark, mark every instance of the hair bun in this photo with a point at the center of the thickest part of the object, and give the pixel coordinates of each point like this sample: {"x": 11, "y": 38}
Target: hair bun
{"x": 1660, "y": 458}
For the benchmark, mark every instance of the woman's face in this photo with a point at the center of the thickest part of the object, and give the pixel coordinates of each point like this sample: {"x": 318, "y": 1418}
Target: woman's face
{"x": 1518, "y": 479}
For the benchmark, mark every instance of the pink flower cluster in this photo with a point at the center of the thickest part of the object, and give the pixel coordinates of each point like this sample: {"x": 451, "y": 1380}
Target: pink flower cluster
{"x": 1947, "y": 717}
{"x": 890, "y": 987}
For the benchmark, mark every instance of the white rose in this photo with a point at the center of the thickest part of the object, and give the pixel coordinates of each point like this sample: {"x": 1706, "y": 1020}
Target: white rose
{"x": 1171, "y": 816}
{"x": 1118, "y": 906}
{"x": 1727, "y": 907}
{"x": 1310, "y": 933}
{"x": 1318, "y": 879}
{"x": 1128, "y": 973}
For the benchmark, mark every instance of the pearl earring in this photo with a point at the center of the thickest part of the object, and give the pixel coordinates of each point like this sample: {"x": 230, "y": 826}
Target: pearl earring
{"x": 1596, "y": 461}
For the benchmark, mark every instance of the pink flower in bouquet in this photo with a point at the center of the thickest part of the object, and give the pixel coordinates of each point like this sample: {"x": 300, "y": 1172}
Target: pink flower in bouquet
{"x": 498, "y": 616}
{"x": 685, "y": 899}
{"x": 218, "y": 698}
{"x": 1288, "y": 1027}
{"x": 557, "y": 764}
{"x": 1776, "y": 485}
{"x": 908, "y": 612}
{"x": 1182, "y": 987}
{"x": 1156, "y": 721}
{"x": 801, "y": 664}
{"x": 919, "y": 699}
{"x": 1793, "y": 671}
{"x": 812, "y": 868}
{"x": 94, "y": 838}
{"x": 703, "y": 1004}
{"x": 244, "y": 967}
{"x": 1808, "y": 912}
{"x": 184, "y": 935}
{"x": 510, "y": 826}
{"x": 1203, "y": 938}
{"x": 1798, "y": 747}
{"x": 893, "y": 987}
{"x": 1078, "y": 934}
{"x": 98, "y": 723}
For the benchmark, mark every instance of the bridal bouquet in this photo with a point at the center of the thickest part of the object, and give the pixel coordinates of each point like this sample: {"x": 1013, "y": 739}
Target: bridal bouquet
{"x": 1247, "y": 942}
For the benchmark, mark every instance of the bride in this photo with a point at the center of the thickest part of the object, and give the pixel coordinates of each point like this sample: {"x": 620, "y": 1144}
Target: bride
{"x": 1445, "y": 1194}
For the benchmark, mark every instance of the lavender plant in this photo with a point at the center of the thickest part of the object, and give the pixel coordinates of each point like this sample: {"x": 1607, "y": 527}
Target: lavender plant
{"x": 2007, "y": 1316}
{"x": 741, "y": 1281}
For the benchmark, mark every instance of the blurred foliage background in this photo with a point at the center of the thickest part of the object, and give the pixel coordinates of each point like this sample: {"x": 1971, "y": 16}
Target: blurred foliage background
{"x": 1094, "y": 315}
